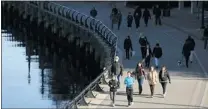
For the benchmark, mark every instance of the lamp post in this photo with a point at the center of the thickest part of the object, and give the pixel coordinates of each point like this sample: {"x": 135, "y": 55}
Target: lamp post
{"x": 202, "y": 16}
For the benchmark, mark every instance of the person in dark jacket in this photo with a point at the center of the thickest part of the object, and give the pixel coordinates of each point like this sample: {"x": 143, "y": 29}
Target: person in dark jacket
{"x": 192, "y": 46}
{"x": 127, "y": 46}
{"x": 148, "y": 54}
{"x": 157, "y": 53}
{"x": 163, "y": 79}
{"x": 143, "y": 42}
{"x": 140, "y": 75}
{"x": 115, "y": 10}
{"x": 157, "y": 15}
{"x": 129, "y": 20}
{"x": 186, "y": 52}
{"x": 119, "y": 19}
{"x": 146, "y": 16}
{"x": 113, "y": 84}
{"x": 93, "y": 13}
{"x": 117, "y": 69}
{"x": 205, "y": 37}
{"x": 137, "y": 16}
{"x": 153, "y": 9}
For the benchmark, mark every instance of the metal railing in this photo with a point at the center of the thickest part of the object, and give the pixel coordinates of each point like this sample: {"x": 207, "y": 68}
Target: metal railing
{"x": 93, "y": 25}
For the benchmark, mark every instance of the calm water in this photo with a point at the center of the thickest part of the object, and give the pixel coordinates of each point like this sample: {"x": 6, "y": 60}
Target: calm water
{"x": 25, "y": 84}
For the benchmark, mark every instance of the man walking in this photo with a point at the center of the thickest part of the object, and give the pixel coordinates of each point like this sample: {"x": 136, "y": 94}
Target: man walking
{"x": 157, "y": 53}
{"x": 143, "y": 43}
{"x": 186, "y": 52}
{"x": 192, "y": 46}
{"x": 117, "y": 69}
{"x": 93, "y": 13}
{"x": 157, "y": 15}
{"x": 119, "y": 19}
{"x": 205, "y": 37}
{"x": 146, "y": 16}
{"x": 113, "y": 84}
{"x": 137, "y": 16}
{"x": 127, "y": 47}
{"x": 129, "y": 81}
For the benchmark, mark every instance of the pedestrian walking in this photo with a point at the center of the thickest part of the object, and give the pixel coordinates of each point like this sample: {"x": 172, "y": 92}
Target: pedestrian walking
{"x": 146, "y": 16}
{"x": 140, "y": 75}
{"x": 157, "y": 12}
{"x": 128, "y": 46}
{"x": 119, "y": 19}
{"x": 154, "y": 9}
{"x": 117, "y": 70}
{"x": 192, "y": 46}
{"x": 129, "y": 20}
{"x": 148, "y": 54}
{"x": 152, "y": 79}
{"x": 157, "y": 54}
{"x": 143, "y": 42}
{"x": 205, "y": 37}
{"x": 163, "y": 79}
{"x": 137, "y": 16}
{"x": 129, "y": 82}
{"x": 186, "y": 52}
{"x": 93, "y": 13}
{"x": 113, "y": 84}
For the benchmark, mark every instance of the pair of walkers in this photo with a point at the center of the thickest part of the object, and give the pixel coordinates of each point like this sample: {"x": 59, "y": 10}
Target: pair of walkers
{"x": 152, "y": 78}
{"x": 147, "y": 53}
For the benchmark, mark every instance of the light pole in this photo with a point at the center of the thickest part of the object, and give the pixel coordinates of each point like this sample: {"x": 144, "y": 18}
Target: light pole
{"x": 202, "y": 16}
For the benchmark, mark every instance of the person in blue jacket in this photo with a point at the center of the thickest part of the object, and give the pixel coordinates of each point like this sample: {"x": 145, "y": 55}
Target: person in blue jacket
{"x": 129, "y": 82}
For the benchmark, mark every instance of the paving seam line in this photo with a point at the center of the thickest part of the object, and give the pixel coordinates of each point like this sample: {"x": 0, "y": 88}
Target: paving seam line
{"x": 200, "y": 64}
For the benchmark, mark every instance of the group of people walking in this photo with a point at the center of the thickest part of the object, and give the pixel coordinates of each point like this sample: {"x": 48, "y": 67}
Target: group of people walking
{"x": 152, "y": 76}
{"x": 116, "y": 16}
{"x": 146, "y": 52}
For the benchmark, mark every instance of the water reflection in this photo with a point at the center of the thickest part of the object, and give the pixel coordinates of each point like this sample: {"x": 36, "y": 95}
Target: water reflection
{"x": 51, "y": 76}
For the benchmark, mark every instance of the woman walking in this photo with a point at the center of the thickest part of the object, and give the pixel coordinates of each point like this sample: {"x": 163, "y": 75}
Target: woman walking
{"x": 140, "y": 75}
{"x": 152, "y": 79}
{"x": 148, "y": 54}
{"x": 129, "y": 20}
{"x": 163, "y": 79}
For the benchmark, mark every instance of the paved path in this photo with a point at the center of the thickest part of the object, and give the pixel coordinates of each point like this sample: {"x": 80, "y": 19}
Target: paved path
{"x": 188, "y": 88}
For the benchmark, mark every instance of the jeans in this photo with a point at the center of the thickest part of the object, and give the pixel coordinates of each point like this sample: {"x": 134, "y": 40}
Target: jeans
{"x": 112, "y": 96}
{"x": 152, "y": 89}
{"x": 129, "y": 92}
{"x": 127, "y": 54}
{"x": 164, "y": 84}
{"x": 118, "y": 79}
{"x": 158, "y": 21}
{"x": 143, "y": 52}
{"x": 205, "y": 43}
{"x": 156, "y": 62}
{"x": 140, "y": 83}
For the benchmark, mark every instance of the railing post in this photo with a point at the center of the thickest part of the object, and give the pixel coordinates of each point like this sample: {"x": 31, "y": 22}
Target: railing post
{"x": 98, "y": 88}
{"x": 82, "y": 101}
{"x": 90, "y": 94}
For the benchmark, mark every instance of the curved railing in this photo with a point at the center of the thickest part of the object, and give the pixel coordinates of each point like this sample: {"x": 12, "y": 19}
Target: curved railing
{"x": 87, "y": 22}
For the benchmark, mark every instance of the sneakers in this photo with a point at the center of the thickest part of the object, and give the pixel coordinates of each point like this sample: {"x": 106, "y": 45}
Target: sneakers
{"x": 130, "y": 104}
{"x": 113, "y": 105}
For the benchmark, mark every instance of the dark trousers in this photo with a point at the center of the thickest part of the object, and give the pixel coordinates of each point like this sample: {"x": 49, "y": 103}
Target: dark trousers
{"x": 147, "y": 61}
{"x": 140, "y": 83}
{"x": 146, "y": 21}
{"x": 127, "y": 54}
{"x": 113, "y": 96}
{"x": 143, "y": 52}
{"x": 129, "y": 93}
{"x": 119, "y": 24}
{"x": 137, "y": 23}
{"x": 187, "y": 60}
{"x": 152, "y": 89}
{"x": 158, "y": 21}
{"x": 205, "y": 43}
{"x": 164, "y": 85}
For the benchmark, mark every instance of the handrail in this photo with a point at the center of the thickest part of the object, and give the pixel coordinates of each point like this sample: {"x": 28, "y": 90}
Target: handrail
{"x": 110, "y": 38}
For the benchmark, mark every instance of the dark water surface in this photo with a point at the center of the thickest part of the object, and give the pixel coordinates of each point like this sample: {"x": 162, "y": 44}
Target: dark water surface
{"x": 25, "y": 84}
